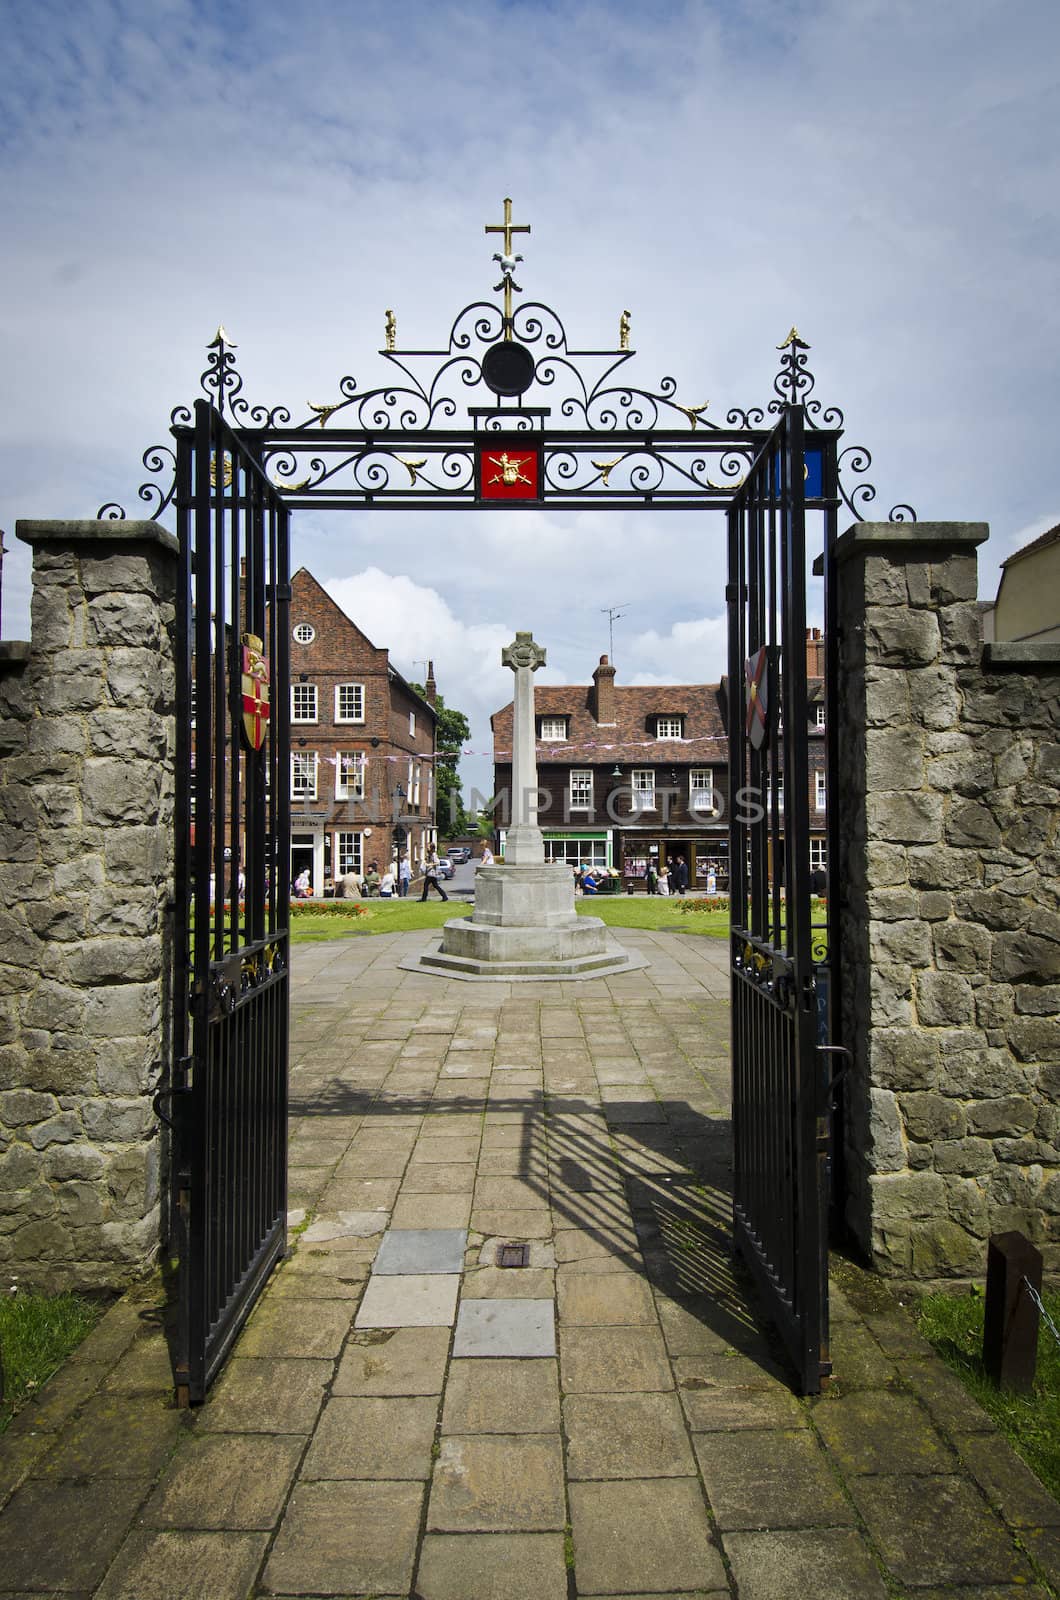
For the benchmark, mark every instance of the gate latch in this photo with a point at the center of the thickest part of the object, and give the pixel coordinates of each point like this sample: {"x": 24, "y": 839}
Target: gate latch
{"x": 836, "y": 1078}
{"x": 182, "y": 1084}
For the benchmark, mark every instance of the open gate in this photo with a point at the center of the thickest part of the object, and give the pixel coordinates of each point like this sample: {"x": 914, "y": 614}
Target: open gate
{"x": 504, "y": 416}
{"x": 781, "y": 1112}
{"x": 228, "y": 1094}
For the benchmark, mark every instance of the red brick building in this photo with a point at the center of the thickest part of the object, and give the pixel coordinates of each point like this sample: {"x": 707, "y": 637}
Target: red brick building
{"x": 636, "y": 776}
{"x": 362, "y": 746}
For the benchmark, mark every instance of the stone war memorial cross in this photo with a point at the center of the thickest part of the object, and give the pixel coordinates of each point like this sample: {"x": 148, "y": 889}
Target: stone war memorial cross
{"x": 524, "y": 844}
{"x": 523, "y": 926}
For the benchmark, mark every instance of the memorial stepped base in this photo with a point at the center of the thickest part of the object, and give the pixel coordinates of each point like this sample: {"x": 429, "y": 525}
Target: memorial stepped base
{"x": 524, "y": 928}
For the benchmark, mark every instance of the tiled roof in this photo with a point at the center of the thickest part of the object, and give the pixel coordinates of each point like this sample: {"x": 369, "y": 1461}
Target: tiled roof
{"x": 1049, "y": 537}
{"x": 632, "y": 735}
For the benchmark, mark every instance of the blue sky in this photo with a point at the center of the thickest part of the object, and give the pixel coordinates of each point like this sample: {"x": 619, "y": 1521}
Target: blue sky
{"x": 882, "y": 174}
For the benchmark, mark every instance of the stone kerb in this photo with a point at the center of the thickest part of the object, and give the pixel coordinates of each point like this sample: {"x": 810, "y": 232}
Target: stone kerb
{"x": 86, "y": 732}
{"x": 949, "y": 877}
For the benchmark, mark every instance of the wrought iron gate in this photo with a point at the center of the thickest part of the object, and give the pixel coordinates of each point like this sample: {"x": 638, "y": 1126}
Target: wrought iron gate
{"x": 503, "y": 415}
{"x": 229, "y": 1089}
{"x": 781, "y": 1131}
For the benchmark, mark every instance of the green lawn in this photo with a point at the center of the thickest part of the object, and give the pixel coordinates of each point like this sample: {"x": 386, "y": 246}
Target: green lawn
{"x": 954, "y": 1325}
{"x": 37, "y": 1333}
{"x": 343, "y": 919}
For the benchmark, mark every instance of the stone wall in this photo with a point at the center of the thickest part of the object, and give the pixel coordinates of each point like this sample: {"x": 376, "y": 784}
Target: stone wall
{"x": 86, "y": 736}
{"x": 950, "y": 893}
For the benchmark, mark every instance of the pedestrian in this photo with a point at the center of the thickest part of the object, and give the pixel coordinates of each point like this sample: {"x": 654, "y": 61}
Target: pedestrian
{"x": 387, "y": 884}
{"x": 487, "y": 856}
{"x": 302, "y": 884}
{"x": 651, "y": 878}
{"x": 371, "y": 880}
{"x": 430, "y": 875}
{"x": 680, "y": 874}
{"x": 663, "y": 886}
{"x": 404, "y": 875}
{"x": 588, "y": 881}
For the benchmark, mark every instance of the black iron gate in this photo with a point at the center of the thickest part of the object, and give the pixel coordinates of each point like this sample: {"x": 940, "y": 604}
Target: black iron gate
{"x": 781, "y": 1132}
{"x": 229, "y": 1090}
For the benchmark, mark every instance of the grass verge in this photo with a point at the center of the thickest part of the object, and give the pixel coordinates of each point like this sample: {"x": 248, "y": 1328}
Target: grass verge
{"x": 953, "y": 1324}
{"x": 343, "y": 919}
{"x": 37, "y": 1333}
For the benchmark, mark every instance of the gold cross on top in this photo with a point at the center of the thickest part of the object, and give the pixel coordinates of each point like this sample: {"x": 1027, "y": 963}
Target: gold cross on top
{"x": 507, "y": 227}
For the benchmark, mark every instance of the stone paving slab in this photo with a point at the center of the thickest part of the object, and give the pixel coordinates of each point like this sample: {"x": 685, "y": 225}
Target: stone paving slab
{"x": 347, "y": 1539}
{"x": 661, "y": 1452}
{"x": 502, "y": 1397}
{"x": 825, "y": 1563}
{"x": 625, "y": 1533}
{"x": 499, "y": 1566}
{"x": 498, "y": 1483}
{"x": 505, "y": 1328}
{"x": 369, "y": 1437}
{"x": 418, "y": 1300}
{"x": 156, "y": 1565}
{"x": 409, "y": 1250}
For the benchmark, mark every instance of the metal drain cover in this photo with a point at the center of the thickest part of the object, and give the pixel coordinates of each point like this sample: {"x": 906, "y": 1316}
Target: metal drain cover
{"x": 513, "y": 1255}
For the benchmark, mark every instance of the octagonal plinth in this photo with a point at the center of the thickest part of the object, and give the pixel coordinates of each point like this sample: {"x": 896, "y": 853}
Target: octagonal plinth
{"x": 524, "y": 927}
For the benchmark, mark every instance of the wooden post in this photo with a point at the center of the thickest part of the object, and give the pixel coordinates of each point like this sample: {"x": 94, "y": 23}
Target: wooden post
{"x": 1010, "y": 1323}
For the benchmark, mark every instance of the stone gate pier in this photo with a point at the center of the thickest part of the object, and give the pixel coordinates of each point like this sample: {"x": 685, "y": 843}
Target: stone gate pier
{"x": 950, "y": 890}
{"x": 86, "y": 787}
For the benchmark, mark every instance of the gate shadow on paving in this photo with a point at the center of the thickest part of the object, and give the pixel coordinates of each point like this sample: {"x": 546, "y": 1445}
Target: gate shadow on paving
{"x": 646, "y": 1183}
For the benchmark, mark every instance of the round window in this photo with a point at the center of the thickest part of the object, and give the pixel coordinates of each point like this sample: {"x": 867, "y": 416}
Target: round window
{"x": 305, "y": 633}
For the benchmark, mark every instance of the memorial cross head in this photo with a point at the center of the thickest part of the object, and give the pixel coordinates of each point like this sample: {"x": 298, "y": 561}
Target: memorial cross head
{"x": 523, "y": 653}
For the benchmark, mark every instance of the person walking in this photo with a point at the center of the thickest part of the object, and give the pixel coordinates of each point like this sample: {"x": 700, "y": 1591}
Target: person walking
{"x": 663, "y": 886}
{"x": 487, "y": 856}
{"x": 404, "y": 875}
{"x": 430, "y": 875}
{"x": 651, "y": 879}
{"x": 679, "y": 874}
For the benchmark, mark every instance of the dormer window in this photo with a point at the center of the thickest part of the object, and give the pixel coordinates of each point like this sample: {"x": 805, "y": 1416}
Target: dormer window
{"x": 669, "y": 727}
{"x": 554, "y": 728}
{"x": 819, "y": 710}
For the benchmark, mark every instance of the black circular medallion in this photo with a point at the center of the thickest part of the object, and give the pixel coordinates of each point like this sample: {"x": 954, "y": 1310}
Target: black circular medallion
{"x": 508, "y": 368}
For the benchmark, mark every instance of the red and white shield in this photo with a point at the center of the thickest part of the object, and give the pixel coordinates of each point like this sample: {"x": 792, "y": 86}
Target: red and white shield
{"x": 255, "y": 684}
{"x": 756, "y": 696}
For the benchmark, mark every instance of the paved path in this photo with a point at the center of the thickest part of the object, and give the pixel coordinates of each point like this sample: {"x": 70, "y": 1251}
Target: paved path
{"x": 405, "y": 1417}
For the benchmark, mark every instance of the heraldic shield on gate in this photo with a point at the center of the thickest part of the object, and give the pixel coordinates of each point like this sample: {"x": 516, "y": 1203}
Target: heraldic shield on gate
{"x": 505, "y": 414}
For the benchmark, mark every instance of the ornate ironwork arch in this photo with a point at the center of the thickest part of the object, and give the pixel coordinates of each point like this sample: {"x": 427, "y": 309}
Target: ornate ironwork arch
{"x": 510, "y": 377}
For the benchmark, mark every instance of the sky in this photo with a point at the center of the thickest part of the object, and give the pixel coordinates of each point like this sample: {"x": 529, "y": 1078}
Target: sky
{"x": 882, "y": 173}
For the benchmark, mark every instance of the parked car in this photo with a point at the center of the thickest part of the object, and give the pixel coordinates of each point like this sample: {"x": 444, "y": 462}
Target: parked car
{"x": 445, "y": 867}
{"x": 459, "y": 853}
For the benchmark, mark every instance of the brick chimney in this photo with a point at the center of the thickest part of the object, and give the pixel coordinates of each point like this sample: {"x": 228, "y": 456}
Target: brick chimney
{"x": 430, "y": 688}
{"x": 603, "y": 701}
{"x": 814, "y": 653}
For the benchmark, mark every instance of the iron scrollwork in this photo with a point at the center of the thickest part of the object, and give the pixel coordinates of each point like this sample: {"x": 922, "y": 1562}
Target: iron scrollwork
{"x": 404, "y": 441}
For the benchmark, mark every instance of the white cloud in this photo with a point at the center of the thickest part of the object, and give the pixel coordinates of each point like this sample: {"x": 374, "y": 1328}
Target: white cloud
{"x": 416, "y": 624}
{"x": 166, "y": 168}
{"x": 690, "y": 652}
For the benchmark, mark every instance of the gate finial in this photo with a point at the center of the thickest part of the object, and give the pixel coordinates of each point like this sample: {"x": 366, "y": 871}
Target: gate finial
{"x": 508, "y": 261}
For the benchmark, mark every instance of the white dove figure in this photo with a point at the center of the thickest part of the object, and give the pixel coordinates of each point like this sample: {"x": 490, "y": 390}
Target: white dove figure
{"x": 507, "y": 263}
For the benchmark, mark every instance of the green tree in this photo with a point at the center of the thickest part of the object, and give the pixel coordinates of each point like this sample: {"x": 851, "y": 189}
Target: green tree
{"x": 451, "y": 735}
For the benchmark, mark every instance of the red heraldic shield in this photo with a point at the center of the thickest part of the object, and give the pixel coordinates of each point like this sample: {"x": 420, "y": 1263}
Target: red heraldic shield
{"x": 756, "y": 696}
{"x": 255, "y": 692}
{"x": 508, "y": 470}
